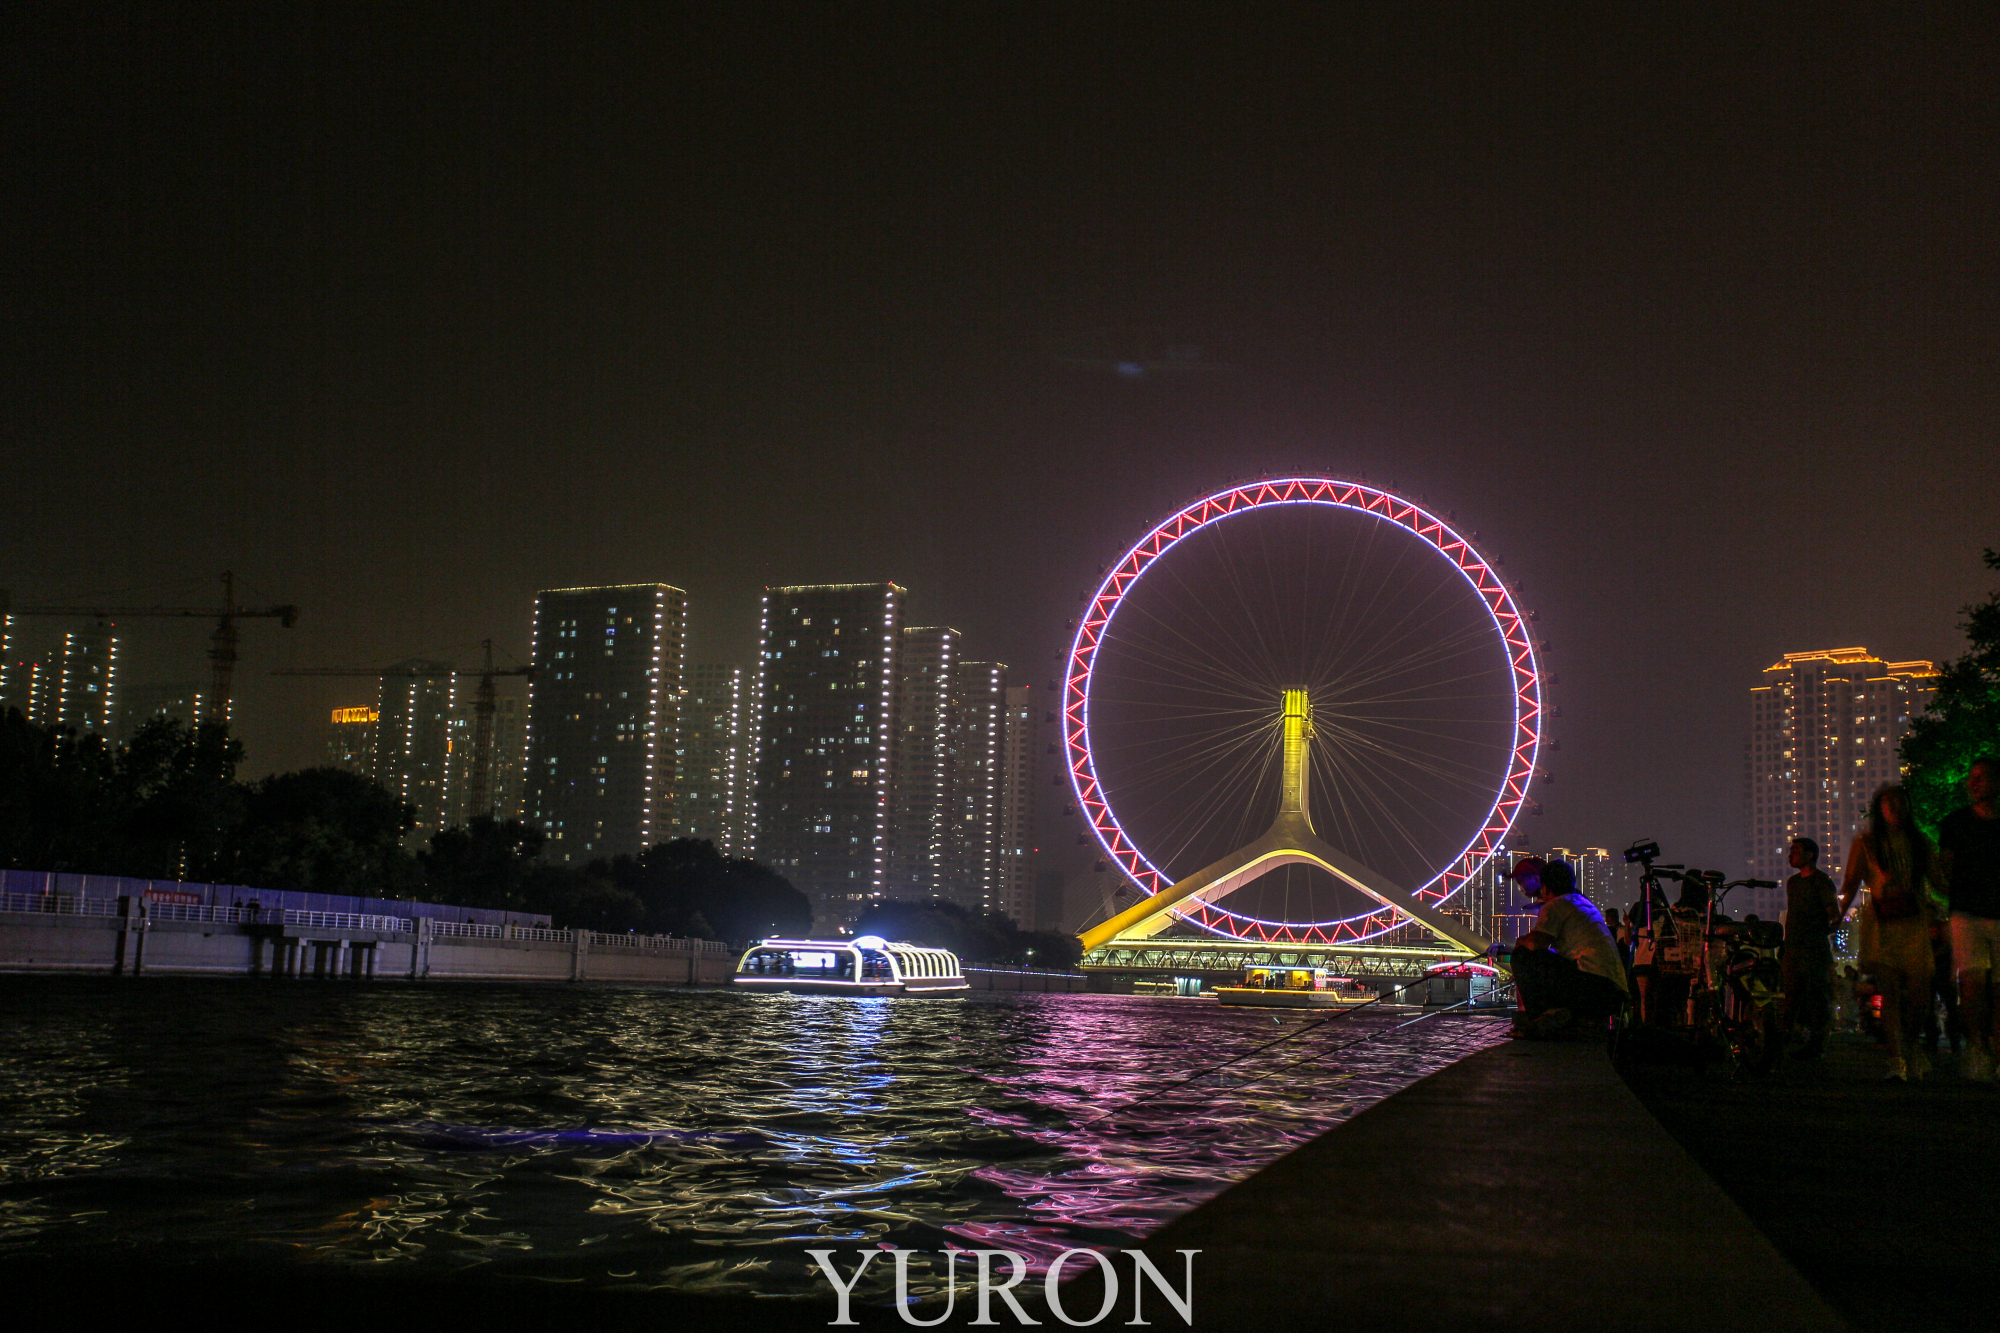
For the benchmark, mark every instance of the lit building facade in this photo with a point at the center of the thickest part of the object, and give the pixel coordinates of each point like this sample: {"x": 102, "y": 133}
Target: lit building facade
{"x": 72, "y": 685}
{"x": 181, "y": 701}
{"x": 923, "y": 859}
{"x": 822, "y": 734}
{"x": 506, "y": 771}
{"x": 1825, "y": 730}
{"x": 710, "y": 759}
{"x": 350, "y": 740}
{"x": 976, "y": 791}
{"x": 1015, "y": 885}
{"x": 413, "y": 739}
{"x": 602, "y": 718}
{"x": 87, "y": 680}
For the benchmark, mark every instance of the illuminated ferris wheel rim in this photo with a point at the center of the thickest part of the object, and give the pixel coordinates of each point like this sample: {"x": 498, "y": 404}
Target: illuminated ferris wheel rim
{"x": 1510, "y": 796}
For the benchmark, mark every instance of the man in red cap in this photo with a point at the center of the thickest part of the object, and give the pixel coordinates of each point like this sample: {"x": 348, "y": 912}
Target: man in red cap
{"x": 1567, "y": 970}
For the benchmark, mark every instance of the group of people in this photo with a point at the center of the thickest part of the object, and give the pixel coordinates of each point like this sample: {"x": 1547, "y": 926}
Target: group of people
{"x": 1928, "y": 926}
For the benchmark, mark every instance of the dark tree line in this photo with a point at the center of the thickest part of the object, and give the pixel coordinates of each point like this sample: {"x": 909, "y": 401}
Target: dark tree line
{"x": 979, "y": 938}
{"x": 681, "y": 887}
{"x": 167, "y": 804}
{"x": 1963, "y": 720}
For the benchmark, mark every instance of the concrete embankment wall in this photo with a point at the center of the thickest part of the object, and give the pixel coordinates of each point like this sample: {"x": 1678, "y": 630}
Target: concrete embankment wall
{"x": 134, "y": 944}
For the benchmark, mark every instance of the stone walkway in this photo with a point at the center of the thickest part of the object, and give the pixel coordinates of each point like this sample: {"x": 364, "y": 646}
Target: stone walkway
{"x": 1524, "y": 1187}
{"x": 1885, "y": 1196}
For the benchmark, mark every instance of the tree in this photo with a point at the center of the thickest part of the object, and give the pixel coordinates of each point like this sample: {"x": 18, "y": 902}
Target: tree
{"x": 485, "y": 863}
{"x": 181, "y": 802}
{"x": 60, "y": 807}
{"x": 989, "y": 937}
{"x": 324, "y": 830}
{"x": 689, "y": 888}
{"x": 580, "y": 899}
{"x": 1963, "y": 721}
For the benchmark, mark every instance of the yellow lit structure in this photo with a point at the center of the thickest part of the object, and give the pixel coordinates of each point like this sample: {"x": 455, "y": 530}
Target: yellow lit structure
{"x": 1291, "y": 840}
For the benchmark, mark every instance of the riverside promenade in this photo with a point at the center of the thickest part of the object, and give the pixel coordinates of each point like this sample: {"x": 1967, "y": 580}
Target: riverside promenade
{"x": 1885, "y": 1196}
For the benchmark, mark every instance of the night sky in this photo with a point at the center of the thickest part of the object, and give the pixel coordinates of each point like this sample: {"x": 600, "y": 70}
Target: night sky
{"x": 403, "y": 312}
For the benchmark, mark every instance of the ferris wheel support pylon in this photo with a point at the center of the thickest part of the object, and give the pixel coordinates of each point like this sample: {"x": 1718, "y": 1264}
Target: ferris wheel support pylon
{"x": 1291, "y": 840}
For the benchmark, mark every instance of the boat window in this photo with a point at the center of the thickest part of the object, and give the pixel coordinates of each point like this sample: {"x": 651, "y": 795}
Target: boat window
{"x": 833, "y": 963}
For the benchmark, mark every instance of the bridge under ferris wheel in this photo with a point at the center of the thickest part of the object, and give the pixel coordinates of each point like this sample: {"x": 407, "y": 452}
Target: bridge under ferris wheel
{"x": 1180, "y": 927}
{"x": 1130, "y": 940}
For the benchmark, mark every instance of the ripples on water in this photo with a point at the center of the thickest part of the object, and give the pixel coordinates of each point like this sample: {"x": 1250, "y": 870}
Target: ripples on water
{"x": 697, "y": 1140}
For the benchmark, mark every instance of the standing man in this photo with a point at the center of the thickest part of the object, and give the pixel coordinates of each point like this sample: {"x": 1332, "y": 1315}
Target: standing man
{"x": 1811, "y": 908}
{"x": 1567, "y": 969}
{"x": 1969, "y": 840}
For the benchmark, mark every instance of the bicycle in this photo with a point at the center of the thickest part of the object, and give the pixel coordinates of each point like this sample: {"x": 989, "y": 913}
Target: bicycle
{"x": 1736, "y": 987}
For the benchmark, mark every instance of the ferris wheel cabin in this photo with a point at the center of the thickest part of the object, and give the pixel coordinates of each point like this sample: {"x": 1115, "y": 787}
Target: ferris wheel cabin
{"x": 868, "y": 965}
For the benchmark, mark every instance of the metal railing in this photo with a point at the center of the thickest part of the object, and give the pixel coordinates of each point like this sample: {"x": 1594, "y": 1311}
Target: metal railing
{"x": 70, "y": 904}
{"x": 345, "y": 920}
{"x": 196, "y": 912}
{"x": 472, "y": 928}
{"x": 666, "y": 942}
{"x": 66, "y": 904}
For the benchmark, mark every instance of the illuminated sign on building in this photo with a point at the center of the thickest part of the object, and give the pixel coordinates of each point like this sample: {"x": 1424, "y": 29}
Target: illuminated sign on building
{"x": 347, "y": 715}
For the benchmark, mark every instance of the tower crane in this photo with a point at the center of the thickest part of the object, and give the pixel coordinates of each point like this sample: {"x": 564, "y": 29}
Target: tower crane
{"x": 486, "y": 704}
{"x": 221, "y": 643}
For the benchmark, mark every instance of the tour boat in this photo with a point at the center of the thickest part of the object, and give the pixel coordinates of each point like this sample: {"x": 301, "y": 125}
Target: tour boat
{"x": 867, "y": 965}
{"x": 1295, "y": 988}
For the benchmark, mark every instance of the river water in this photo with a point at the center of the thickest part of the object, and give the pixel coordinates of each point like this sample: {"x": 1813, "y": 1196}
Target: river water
{"x": 615, "y": 1136}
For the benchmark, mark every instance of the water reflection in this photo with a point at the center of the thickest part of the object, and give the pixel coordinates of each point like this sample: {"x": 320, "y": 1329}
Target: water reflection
{"x": 633, "y": 1137}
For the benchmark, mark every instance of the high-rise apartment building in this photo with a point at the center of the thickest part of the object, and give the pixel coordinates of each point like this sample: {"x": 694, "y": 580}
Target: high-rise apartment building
{"x": 823, "y": 729}
{"x": 505, "y": 760}
{"x": 87, "y": 679}
{"x": 602, "y": 718}
{"x": 181, "y": 701}
{"x": 1014, "y": 890}
{"x": 413, "y": 739}
{"x": 1825, "y": 728}
{"x": 350, "y": 740}
{"x": 73, "y": 686}
{"x": 924, "y": 857}
{"x": 975, "y": 791}
{"x": 1602, "y": 875}
{"x": 710, "y": 757}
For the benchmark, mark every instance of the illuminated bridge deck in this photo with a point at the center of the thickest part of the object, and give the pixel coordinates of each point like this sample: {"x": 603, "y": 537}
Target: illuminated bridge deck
{"x": 1213, "y": 957}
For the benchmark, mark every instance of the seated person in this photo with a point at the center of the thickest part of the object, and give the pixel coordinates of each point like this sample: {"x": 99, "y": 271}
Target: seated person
{"x": 1568, "y": 967}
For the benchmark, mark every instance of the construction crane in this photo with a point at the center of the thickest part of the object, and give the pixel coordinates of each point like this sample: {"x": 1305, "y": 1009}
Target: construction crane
{"x": 486, "y": 704}
{"x": 221, "y": 644}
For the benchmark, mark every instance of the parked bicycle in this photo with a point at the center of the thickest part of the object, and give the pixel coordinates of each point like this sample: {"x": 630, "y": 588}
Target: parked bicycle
{"x": 1713, "y": 977}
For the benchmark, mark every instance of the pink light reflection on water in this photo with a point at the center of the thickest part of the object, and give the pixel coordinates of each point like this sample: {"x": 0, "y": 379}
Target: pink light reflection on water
{"x": 1139, "y": 1145}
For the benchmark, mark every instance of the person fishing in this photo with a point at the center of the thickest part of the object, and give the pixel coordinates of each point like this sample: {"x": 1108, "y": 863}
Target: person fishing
{"x": 1567, "y": 970}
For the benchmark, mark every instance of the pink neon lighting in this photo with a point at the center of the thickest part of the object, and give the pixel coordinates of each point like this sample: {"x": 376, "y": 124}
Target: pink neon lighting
{"x": 1508, "y": 622}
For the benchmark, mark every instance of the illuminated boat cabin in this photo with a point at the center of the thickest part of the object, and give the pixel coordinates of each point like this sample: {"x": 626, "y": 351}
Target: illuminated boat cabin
{"x": 1295, "y": 988}
{"x": 867, "y": 965}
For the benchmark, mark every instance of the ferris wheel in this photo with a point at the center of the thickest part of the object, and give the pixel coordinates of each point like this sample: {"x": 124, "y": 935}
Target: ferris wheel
{"x": 1323, "y": 649}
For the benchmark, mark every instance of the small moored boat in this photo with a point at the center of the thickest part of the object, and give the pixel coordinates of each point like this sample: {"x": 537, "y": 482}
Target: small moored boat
{"x": 1295, "y": 988}
{"x": 867, "y": 965}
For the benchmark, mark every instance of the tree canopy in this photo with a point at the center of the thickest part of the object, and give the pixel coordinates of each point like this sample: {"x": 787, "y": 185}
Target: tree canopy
{"x": 987, "y": 937}
{"x": 687, "y": 887}
{"x": 1963, "y": 721}
{"x": 167, "y": 804}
